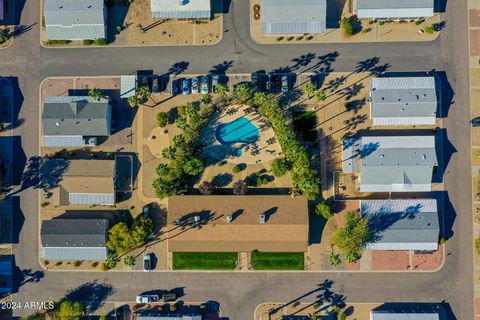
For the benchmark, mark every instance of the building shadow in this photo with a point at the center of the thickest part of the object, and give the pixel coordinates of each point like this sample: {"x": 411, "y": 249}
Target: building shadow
{"x": 440, "y": 5}
{"x": 17, "y": 103}
{"x": 17, "y": 220}
{"x": 116, "y": 19}
{"x": 220, "y": 6}
{"x": 334, "y": 13}
{"x": 19, "y": 159}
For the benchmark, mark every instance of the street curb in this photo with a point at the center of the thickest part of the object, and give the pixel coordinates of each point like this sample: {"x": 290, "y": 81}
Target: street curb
{"x": 120, "y": 46}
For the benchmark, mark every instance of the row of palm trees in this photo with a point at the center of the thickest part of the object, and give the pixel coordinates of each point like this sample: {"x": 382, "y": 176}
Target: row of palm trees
{"x": 141, "y": 95}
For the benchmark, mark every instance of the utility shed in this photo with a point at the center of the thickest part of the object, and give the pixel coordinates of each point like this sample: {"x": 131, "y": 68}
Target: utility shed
{"x": 393, "y": 9}
{"x": 237, "y": 223}
{"x": 68, "y": 120}
{"x": 74, "y": 239}
{"x": 75, "y": 19}
{"x": 403, "y": 101}
{"x": 283, "y": 17}
{"x": 387, "y": 315}
{"x": 391, "y": 163}
{"x": 402, "y": 224}
{"x": 181, "y": 9}
{"x": 82, "y": 182}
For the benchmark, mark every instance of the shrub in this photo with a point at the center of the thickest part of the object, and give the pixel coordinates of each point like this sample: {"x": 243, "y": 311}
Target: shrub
{"x": 109, "y": 155}
{"x": 240, "y": 188}
{"x": 429, "y": 29}
{"x": 101, "y": 42}
{"x": 59, "y": 263}
{"x": 54, "y": 42}
{"x": 77, "y": 263}
{"x": 110, "y": 262}
{"x": 366, "y": 30}
{"x": 88, "y": 42}
{"x": 477, "y": 245}
{"x": 381, "y": 22}
{"x": 46, "y": 262}
{"x": 104, "y": 267}
{"x": 342, "y": 316}
{"x": 163, "y": 119}
{"x": 94, "y": 264}
{"x": 2, "y": 39}
{"x": 442, "y": 240}
{"x": 280, "y": 38}
{"x": 371, "y": 22}
{"x": 45, "y": 204}
{"x": 279, "y": 167}
{"x": 334, "y": 259}
{"x": 419, "y": 21}
{"x": 236, "y": 169}
{"x": 347, "y": 26}
{"x": 324, "y": 209}
{"x": 290, "y": 38}
{"x": 309, "y": 38}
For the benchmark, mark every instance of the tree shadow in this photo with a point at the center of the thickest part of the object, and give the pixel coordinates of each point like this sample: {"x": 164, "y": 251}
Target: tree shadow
{"x": 22, "y": 277}
{"x": 178, "y": 68}
{"x": 303, "y": 60}
{"x": 221, "y": 68}
{"x": 222, "y": 179}
{"x": 16, "y": 103}
{"x": 21, "y": 29}
{"x": 92, "y": 294}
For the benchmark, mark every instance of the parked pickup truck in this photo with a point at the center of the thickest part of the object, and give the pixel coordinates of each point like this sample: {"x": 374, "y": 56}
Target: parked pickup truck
{"x": 148, "y": 298}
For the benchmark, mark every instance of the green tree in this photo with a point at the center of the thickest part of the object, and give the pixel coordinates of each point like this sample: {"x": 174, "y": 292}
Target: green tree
{"x": 102, "y": 318}
{"x": 324, "y": 209}
{"x": 221, "y": 89}
{"x": 194, "y": 166}
{"x": 353, "y": 236}
{"x": 314, "y": 316}
{"x": 163, "y": 118}
{"x": 133, "y": 101}
{"x": 141, "y": 230}
{"x": 143, "y": 93}
{"x": 243, "y": 93}
{"x": 309, "y": 89}
{"x": 118, "y": 238}
{"x": 347, "y": 26}
{"x": 279, "y": 167}
{"x": 320, "y": 95}
{"x": 95, "y": 94}
{"x": 334, "y": 259}
{"x": 129, "y": 261}
{"x": 206, "y": 99}
{"x": 259, "y": 98}
{"x": 342, "y": 316}
{"x": 430, "y": 29}
{"x": 70, "y": 310}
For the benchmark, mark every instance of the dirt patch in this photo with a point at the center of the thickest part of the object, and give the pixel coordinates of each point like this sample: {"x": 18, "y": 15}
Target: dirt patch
{"x": 474, "y": 17}
{"x": 390, "y": 260}
{"x": 429, "y": 261}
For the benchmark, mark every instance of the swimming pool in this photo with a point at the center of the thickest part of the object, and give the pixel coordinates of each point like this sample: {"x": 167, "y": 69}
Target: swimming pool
{"x": 238, "y": 130}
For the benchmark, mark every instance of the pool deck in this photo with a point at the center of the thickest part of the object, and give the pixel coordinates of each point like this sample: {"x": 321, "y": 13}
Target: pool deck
{"x": 265, "y": 149}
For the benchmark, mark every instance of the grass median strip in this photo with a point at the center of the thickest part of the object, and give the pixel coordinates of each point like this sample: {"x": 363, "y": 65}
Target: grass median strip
{"x": 277, "y": 260}
{"x": 204, "y": 260}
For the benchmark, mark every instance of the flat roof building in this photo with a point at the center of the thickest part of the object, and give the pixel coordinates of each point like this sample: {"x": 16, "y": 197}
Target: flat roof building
{"x": 283, "y": 17}
{"x": 402, "y": 224}
{"x": 389, "y": 315}
{"x": 83, "y": 182}
{"x": 74, "y": 239}
{"x": 404, "y": 101}
{"x": 68, "y": 121}
{"x": 237, "y": 223}
{"x": 181, "y": 9}
{"x": 75, "y": 20}
{"x": 391, "y": 163}
{"x": 393, "y": 9}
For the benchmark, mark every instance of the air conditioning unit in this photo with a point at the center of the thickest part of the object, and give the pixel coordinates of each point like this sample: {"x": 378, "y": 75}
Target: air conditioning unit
{"x": 228, "y": 218}
{"x": 262, "y": 219}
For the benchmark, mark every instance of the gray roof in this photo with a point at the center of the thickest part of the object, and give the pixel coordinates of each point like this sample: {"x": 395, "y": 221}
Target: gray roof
{"x": 386, "y": 315}
{"x": 75, "y": 20}
{"x": 403, "y": 101}
{"x": 72, "y": 116}
{"x": 394, "y": 8}
{"x": 180, "y": 9}
{"x": 82, "y": 233}
{"x": 392, "y": 164}
{"x": 294, "y": 16}
{"x": 402, "y": 224}
{"x": 159, "y": 316}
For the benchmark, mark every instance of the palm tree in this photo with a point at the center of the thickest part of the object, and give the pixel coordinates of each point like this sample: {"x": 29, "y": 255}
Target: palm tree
{"x": 314, "y": 316}
{"x": 221, "y": 90}
{"x": 320, "y": 95}
{"x": 95, "y": 94}
{"x": 132, "y": 101}
{"x": 309, "y": 89}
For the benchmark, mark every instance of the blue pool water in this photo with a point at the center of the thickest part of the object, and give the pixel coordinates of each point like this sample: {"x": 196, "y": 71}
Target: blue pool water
{"x": 238, "y": 130}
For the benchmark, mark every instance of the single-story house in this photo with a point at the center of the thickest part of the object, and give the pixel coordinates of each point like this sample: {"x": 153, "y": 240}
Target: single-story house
{"x": 391, "y": 163}
{"x": 74, "y": 239}
{"x": 284, "y": 17}
{"x": 237, "y": 223}
{"x": 75, "y": 121}
{"x": 402, "y": 224}
{"x": 393, "y": 9}
{"x": 75, "y": 20}
{"x": 404, "y": 101}
{"x": 392, "y": 315}
{"x": 162, "y": 316}
{"x": 82, "y": 182}
{"x": 181, "y": 9}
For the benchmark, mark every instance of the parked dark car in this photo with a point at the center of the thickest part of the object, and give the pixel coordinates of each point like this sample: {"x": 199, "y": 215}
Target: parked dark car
{"x": 146, "y": 211}
{"x": 175, "y": 87}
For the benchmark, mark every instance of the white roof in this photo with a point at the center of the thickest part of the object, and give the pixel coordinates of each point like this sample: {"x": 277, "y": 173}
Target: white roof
{"x": 63, "y": 141}
{"x": 128, "y": 85}
{"x": 385, "y": 315}
{"x": 391, "y": 9}
{"x": 180, "y": 9}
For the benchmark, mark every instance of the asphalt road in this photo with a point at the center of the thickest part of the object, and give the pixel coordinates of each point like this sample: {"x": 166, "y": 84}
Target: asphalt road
{"x": 239, "y": 293}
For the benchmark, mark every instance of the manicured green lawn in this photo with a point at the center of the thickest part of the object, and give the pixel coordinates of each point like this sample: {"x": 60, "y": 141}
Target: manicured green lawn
{"x": 204, "y": 260}
{"x": 277, "y": 260}
{"x": 304, "y": 123}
